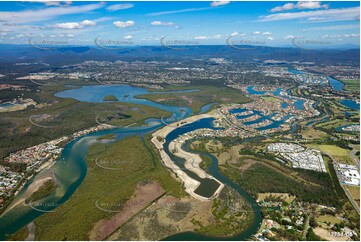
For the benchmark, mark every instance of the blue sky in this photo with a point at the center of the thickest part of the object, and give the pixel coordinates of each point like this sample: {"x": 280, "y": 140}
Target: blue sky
{"x": 267, "y": 22}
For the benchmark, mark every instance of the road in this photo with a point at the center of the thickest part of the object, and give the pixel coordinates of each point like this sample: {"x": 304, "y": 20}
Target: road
{"x": 355, "y": 158}
{"x": 307, "y": 225}
{"x": 349, "y": 196}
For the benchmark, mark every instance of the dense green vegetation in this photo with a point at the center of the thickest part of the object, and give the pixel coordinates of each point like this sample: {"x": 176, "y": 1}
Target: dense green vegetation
{"x": 75, "y": 218}
{"x": 259, "y": 178}
{"x": 195, "y": 100}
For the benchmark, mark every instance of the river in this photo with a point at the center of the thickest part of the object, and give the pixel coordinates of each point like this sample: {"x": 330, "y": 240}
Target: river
{"x": 70, "y": 169}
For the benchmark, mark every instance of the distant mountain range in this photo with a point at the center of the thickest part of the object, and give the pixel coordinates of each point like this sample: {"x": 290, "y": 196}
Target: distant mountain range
{"x": 76, "y": 54}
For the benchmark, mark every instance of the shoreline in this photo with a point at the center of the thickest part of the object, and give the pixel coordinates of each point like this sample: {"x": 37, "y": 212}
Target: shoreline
{"x": 189, "y": 183}
{"x": 46, "y": 165}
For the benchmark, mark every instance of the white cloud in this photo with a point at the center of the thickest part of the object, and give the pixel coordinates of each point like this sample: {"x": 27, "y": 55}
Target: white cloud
{"x": 75, "y": 25}
{"x": 300, "y": 5}
{"x": 128, "y": 37}
{"x": 289, "y": 37}
{"x": 70, "y": 25}
{"x": 256, "y": 32}
{"x": 88, "y": 23}
{"x": 201, "y": 37}
{"x": 270, "y": 38}
{"x": 219, "y": 3}
{"x": 28, "y": 16}
{"x": 234, "y": 34}
{"x": 126, "y": 24}
{"x": 337, "y": 14}
{"x": 121, "y": 6}
{"x": 266, "y": 33}
{"x": 217, "y": 36}
{"x": 160, "y": 23}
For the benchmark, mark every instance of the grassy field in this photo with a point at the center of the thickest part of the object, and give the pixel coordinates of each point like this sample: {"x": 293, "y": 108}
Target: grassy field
{"x": 195, "y": 100}
{"x": 313, "y": 134}
{"x": 352, "y": 85}
{"x": 76, "y": 217}
{"x": 338, "y": 153}
{"x": 328, "y": 219}
{"x": 284, "y": 196}
{"x": 355, "y": 193}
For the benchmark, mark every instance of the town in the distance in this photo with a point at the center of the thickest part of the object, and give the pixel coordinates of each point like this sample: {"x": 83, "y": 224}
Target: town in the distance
{"x": 250, "y": 134}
